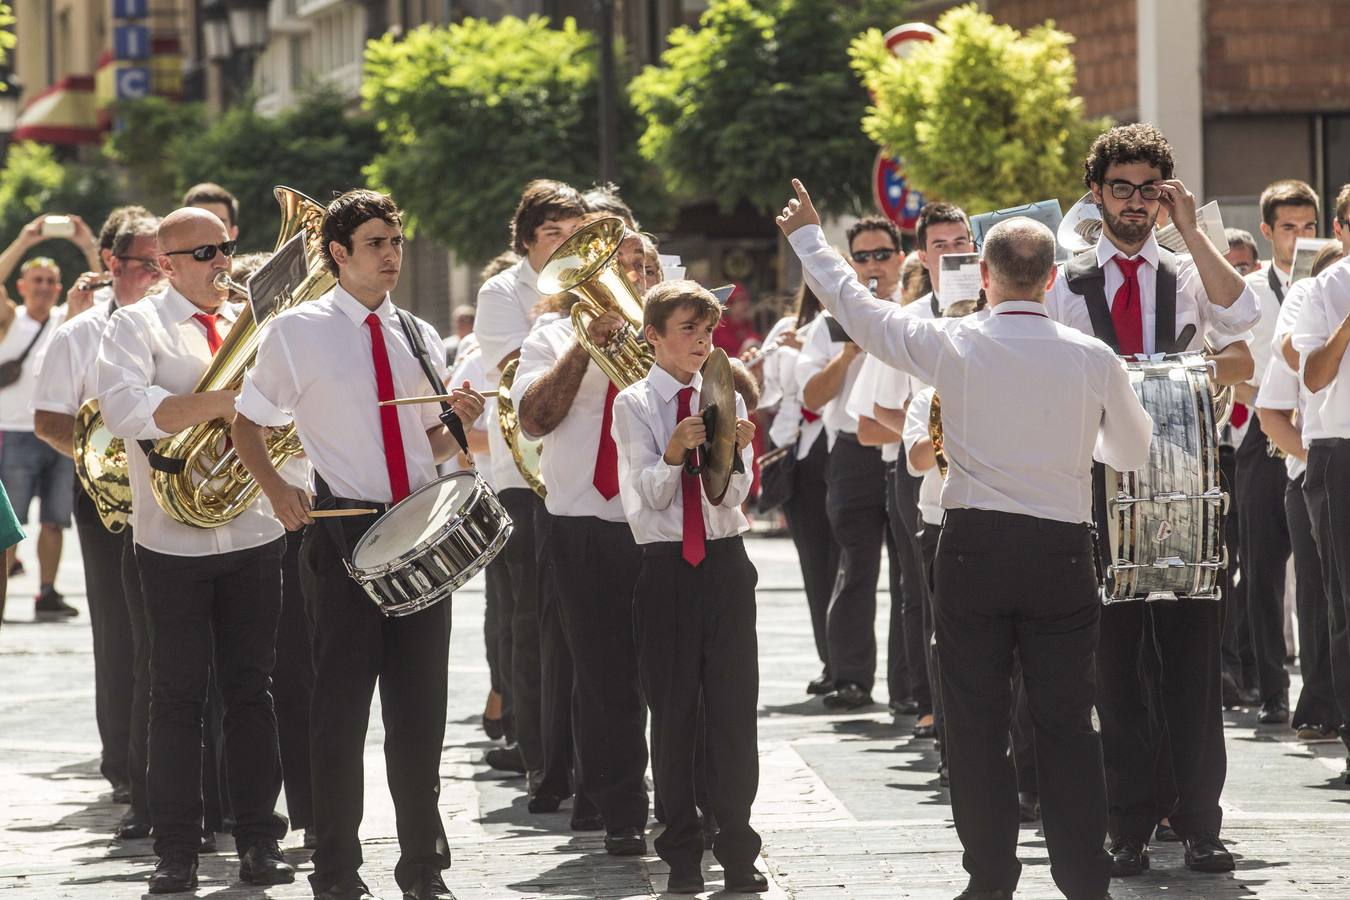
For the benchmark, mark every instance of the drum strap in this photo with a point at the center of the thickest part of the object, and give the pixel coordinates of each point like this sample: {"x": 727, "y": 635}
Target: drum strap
{"x": 448, "y": 416}
{"x": 324, "y": 498}
{"x": 1086, "y": 279}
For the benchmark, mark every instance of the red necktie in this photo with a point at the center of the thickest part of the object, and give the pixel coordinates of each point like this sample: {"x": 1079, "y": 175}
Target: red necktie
{"x": 691, "y": 495}
{"x": 809, "y": 416}
{"x": 1239, "y": 415}
{"x": 212, "y": 336}
{"x": 606, "y": 478}
{"x": 392, "y": 434}
{"x": 1127, "y": 314}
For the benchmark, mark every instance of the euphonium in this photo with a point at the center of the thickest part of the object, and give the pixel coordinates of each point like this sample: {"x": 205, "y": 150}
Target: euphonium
{"x": 588, "y": 264}
{"x": 101, "y": 465}
{"x": 524, "y": 452}
{"x": 212, "y": 487}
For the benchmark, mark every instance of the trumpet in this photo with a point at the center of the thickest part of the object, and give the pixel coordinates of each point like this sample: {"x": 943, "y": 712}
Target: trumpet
{"x": 223, "y": 282}
{"x": 757, "y": 358}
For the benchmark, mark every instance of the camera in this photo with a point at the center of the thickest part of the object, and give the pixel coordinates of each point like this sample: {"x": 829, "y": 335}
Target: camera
{"x": 58, "y": 227}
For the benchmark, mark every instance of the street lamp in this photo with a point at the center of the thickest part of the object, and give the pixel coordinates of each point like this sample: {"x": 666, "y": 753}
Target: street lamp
{"x": 248, "y": 24}
{"x": 216, "y": 31}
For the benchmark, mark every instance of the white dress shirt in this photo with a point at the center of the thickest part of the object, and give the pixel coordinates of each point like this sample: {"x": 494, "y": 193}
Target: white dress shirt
{"x": 314, "y": 366}
{"x": 1325, "y": 306}
{"x": 817, "y": 351}
{"x": 1281, "y": 388}
{"x": 16, "y": 401}
{"x": 878, "y": 384}
{"x": 65, "y": 379}
{"x": 1264, "y": 330}
{"x": 469, "y": 367}
{"x": 789, "y": 423}
{"x": 1222, "y": 326}
{"x": 916, "y": 430}
{"x": 506, "y": 303}
{"x": 567, "y": 462}
{"x": 645, "y": 416}
{"x": 153, "y": 350}
{"x": 1027, "y": 403}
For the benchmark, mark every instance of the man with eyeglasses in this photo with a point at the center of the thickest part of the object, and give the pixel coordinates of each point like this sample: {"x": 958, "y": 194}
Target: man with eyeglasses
{"x": 65, "y": 381}
{"x": 855, "y": 476}
{"x": 212, "y": 595}
{"x": 1139, "y": 298}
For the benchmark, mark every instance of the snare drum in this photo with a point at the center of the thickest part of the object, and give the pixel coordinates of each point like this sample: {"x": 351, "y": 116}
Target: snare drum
{"x": 1165, "y": 520}
{"x": 434, "y": 540}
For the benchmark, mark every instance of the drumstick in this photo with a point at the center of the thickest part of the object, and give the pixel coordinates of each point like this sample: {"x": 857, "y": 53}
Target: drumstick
{"x": 404, "y": 401}
{"x": 336, "y": 513}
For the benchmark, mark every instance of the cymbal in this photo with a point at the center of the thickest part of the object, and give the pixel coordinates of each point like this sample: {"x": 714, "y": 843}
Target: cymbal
{"x": 717, "y": 404}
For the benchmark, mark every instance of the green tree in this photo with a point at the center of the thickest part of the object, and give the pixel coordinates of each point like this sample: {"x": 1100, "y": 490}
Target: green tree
{"x": 984, "y": 116}
{"x": 759, "y": 93}
{"x": 471, "y": 112}
{"x": 143, "y": 144}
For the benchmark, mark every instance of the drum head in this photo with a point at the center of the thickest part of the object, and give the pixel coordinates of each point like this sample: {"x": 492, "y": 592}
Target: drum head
{"x": 419, "y": 517}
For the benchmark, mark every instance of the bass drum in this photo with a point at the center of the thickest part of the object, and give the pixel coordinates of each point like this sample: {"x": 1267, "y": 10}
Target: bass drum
{"x": 1165, "y": 521}
{"x": 434, "y": 540}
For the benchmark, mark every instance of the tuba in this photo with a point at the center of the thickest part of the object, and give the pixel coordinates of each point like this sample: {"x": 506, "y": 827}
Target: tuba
{"x": 524, "y": 452}
{"x": 101, "y": 466}
{"x": 198, "y": 479}
{"x": 587, "y": 264}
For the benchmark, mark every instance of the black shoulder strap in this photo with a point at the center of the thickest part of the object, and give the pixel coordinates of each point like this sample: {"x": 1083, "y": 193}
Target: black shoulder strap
{"x": 1165, "y": 303}
{"x": 932, "y": 299}
{"x": 42, "y": 326}
{"x": 1275, "y": 285}
{"x": 448, "y": 416}
{"x": 1086, "y": 279}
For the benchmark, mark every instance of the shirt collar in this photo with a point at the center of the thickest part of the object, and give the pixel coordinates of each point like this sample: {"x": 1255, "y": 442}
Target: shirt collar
{"x": 1021, "y": 309}
{"x": 526, "y": 274}
{"x": 666, "y": 386}
{"x": 181, "y": 309}
{"x": 1282, "y": 275}
{"x": 356, "y": 310}
{"x": 1106, "y": 251}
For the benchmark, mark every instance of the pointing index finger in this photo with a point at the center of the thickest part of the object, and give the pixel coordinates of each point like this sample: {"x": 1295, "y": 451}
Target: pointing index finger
{"x": 801, "y": 190}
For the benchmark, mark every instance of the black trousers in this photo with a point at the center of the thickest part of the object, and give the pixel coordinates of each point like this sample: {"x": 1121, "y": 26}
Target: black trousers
{"x": 1014, "y": 585}
{"x": 1316, "y": 703}
{"x": 596, "y": 565}
{"x": 208, "y": 613}
{"x": 697, "y": 646}
{"x": 139, "y": 714}
{"x": 526, "y": 681}
{"x": 856, "y": 505}
{"x": 1263, "y": 534}
{"x": 114, "y": 648}
{"x": 495, "y": 582}
{"x": 817, "y": 550}
{"x": 293, "y": 687}
{"x": 1325, "y": 484}
{"x": 356, "y": 646}
{"x": 1238, "y": 658}
{"x": 907, "y": 644}
{"x": 928, "y": 544}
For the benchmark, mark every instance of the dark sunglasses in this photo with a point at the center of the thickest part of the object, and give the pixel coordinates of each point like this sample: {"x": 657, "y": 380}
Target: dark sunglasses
{"x": 1124, "y": 190}
{"x": 881, "y": 255}
{"x": 147, "y": 262}
{"x": 206, "y": 252}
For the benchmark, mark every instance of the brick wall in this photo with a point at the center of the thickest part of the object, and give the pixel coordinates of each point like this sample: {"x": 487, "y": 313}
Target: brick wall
{"x": 1276, "y": 55}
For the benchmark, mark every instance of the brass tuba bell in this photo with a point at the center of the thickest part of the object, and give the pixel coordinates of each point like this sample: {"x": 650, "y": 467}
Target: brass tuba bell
{"x": 587, "y": 264}
{"x": 210, "y": 486}
{"x": 524, "y": 451}
{"x": 101, "y": 466}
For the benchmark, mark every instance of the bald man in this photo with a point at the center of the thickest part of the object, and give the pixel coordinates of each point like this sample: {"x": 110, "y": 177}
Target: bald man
{"x": 212, "y": 595}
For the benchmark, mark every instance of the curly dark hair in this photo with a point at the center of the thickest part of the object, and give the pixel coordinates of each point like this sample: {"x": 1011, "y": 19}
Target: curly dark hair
{"x": 1124, "y": 144}
{"x": 543, "y": 200}
{"x": 349, "y": 212}
{"x": 874, "y": 223}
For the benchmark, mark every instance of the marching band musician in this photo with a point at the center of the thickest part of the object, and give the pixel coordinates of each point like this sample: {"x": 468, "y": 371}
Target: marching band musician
{"x": 365, "y": 457}
{"x": 1014, "y": 570}
{"x": 694, "y": 600}
{"x": 1154, "y": 296}
{"x": 65, "y": 381}
{"x": 212, "y": 596}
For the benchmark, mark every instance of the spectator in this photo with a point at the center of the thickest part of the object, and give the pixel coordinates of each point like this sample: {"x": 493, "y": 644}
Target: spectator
{"x": 737, "y": 328}
{"x": 462, "y": 322}
{"x": 1241, "y": 253}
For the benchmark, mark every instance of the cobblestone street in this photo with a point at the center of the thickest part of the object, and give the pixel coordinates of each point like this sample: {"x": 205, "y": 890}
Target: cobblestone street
{"x": 849, "y": 805}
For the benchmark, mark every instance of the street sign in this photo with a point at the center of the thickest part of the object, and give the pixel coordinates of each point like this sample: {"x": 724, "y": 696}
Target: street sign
{"x": 895, "y": 198}
{"x": 902, "y": 39}
{"x": 130, "y": 9}
{"x": 131, "y": 42}
{"x": 133, "y": 83}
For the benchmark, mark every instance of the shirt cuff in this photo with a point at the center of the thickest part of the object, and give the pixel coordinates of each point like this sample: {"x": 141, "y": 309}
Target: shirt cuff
{"x": 252, "y": 405}
{"x": 806, "y": 237}
{"x": 55, "y": 406}
{"x": 153, "y": 396}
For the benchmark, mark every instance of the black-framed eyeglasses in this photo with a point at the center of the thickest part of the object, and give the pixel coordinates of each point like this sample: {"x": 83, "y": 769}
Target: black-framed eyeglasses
{"x": 1345, "y": 223}
{"x": 879, "y": 255}
{"x": 149, "y": 263}
{"x": 206, "y": 252}
{"x": 1124, "y": 190}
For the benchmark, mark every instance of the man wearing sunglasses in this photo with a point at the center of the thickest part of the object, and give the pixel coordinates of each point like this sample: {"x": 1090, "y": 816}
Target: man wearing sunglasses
{"x": 212, "y": 595}
{"x": 1139, "y": 298}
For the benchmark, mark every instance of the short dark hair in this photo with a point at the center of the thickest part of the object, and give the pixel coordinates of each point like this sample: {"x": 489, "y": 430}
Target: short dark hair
{"x": 543, "y": 200}
{"x": 1020, "y": 253}
{"x": 1125, "y": 144}
{"x": 605, "y": 198}
{"x": 1342, "y": 208}
{"x": 210, "y": 192}
{"x": 663, "y": 300}
{"x": 1238, "y": 237}
{"x": 1290, "y": 192}
{"x": 349, "y": 212}
{"x": 873, "y": 223}
{"x": 499, "y": 263}
{"x": 133, "y": 227}
{"x": 939, "y": 214}
{"x": 113, "y": 223}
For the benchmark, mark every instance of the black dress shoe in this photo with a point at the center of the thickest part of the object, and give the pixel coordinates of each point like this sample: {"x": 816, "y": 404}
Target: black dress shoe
{"x": 428, "y": 886}
{"x": 1164, "y": 834}
{"x": 208, "y": 844}
{"x": 505, "y": 759}
{"x": 1028, "y": 806}
{"x": 545, "y": 803}
{"x": 1206, "y": 853}
{"x": 494, "y": 728}
{"x": 972, "y": 894}
{"x": 682, "y": 881}
{"x": 944, "y": 776}
{"x": 121, "y": 792}
{"x": 1249, "y": 696}
{"x": 133, "y": 826}
{"x": 903, "y": 707}
{"x": 848, "y": 695}
{"x": 746, "y": 881}
{"x": 263, "y": 864}
{"x": 354, "y": 889}
{"x": 594, "y": 822}
{"x": 1128, "y": 857}
{"x": 821, "y": 684}
{"x": 1274, "y": 711}
{"x": 175, "y": 873}
{"x": 925, "y": 732}
{"x": 625, "y": 842}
